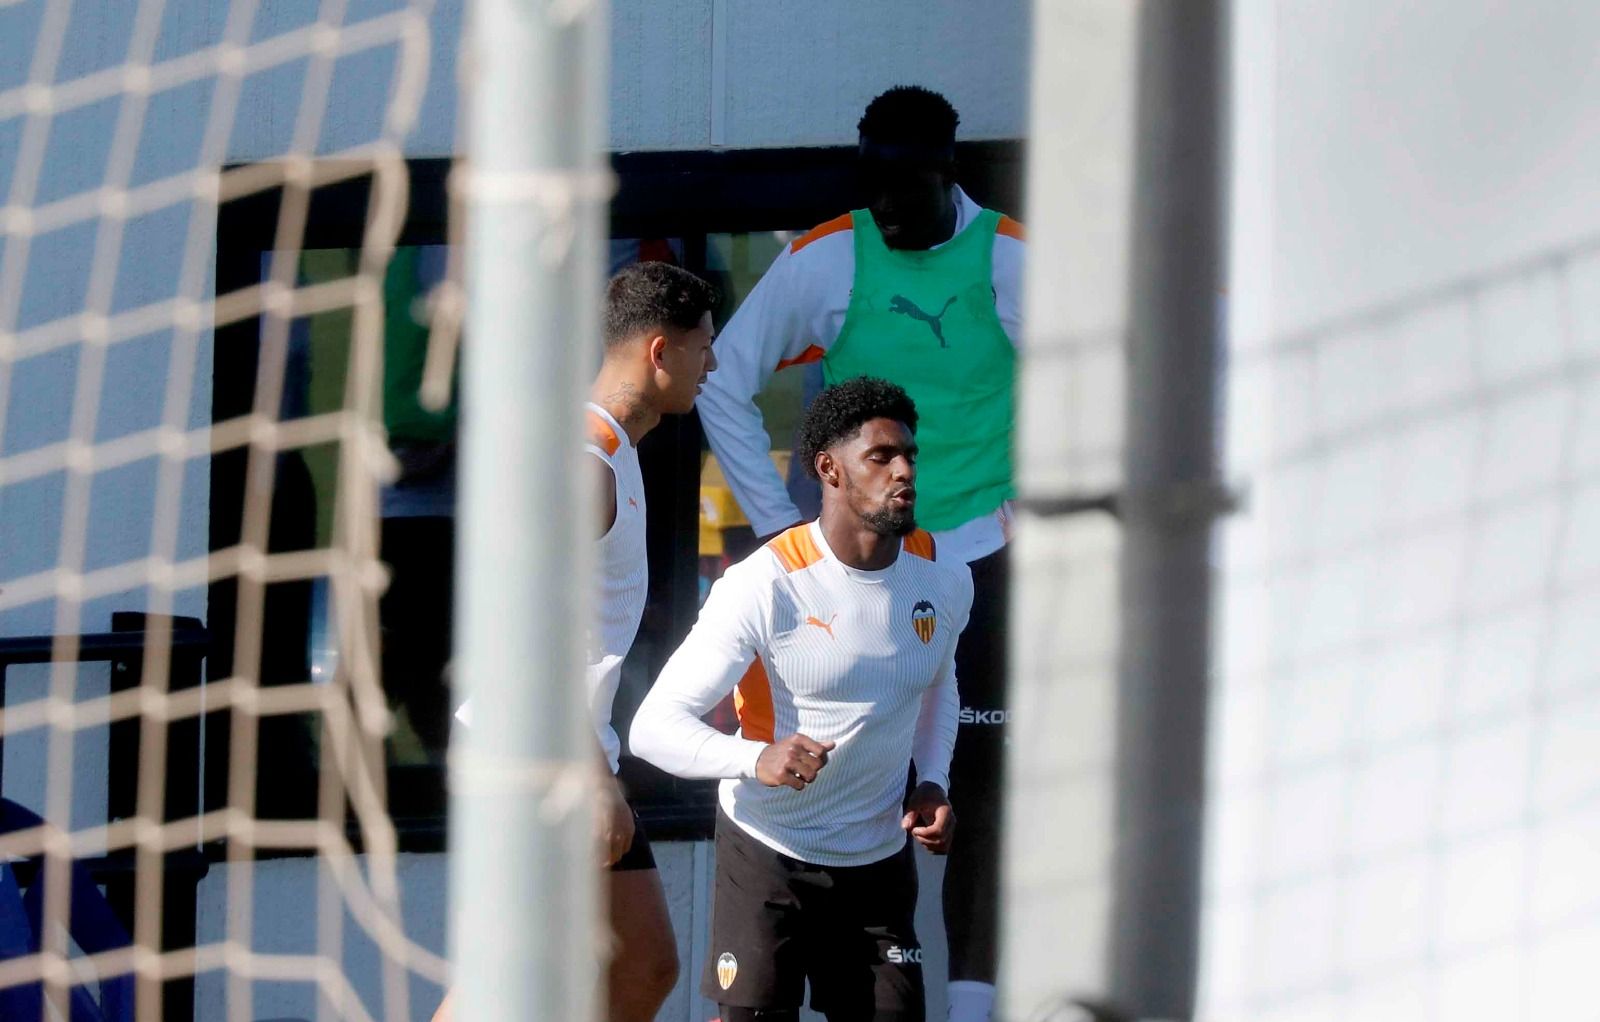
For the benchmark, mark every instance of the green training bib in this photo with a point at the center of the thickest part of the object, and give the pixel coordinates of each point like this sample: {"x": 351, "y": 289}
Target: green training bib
{"x": 926, "y": 321}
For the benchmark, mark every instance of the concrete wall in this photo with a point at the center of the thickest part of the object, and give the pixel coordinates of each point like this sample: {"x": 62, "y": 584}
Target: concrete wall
{"x": 1404, "y": 813}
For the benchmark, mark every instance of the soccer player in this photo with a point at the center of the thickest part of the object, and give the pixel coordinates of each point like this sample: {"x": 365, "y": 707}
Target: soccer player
{"x": 658, "y": 337}
{"x": 840, "y": 637}
{"x": 923, "y": 287}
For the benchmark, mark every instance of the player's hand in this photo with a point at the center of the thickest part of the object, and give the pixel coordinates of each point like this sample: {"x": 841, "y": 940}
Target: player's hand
{"x": 613, "y": 822}
{"x": 793, "y": 762}
{"x": 929, "y": 818}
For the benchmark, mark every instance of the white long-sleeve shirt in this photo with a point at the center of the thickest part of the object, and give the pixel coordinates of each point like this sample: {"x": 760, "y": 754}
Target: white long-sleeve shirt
{"x": 865, "y": 659}
{"x": 792, "y": 317}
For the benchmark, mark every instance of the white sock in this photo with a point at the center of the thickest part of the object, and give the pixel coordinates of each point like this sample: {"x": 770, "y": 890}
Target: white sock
{"x": 970, "y": 1001}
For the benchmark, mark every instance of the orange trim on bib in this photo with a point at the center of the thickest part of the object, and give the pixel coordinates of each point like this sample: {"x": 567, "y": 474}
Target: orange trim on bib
{"x": 817, "y": 233}
{"x": 752, "y": 701}
{"x": 920, "y": 544}
{"x": 602, "y": 435}
{"x": 1011, "y": 229}
{"x": 796, "y": 549}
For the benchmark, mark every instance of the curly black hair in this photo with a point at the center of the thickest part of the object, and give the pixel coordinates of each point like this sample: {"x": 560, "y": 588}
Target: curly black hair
{"x": 910, "y": 115}
{"x": 839, "y": 412}
{"x": 649, "y": 296}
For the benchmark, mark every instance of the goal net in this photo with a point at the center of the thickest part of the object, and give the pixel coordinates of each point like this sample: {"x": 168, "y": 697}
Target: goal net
{"x": 1403, "y": 798}
{"x": 202, "y": 312}
{"x": 1402, "y": 803}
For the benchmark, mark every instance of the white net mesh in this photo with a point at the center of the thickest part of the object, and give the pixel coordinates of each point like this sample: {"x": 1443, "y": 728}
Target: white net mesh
{"x": 1406, "y": 801}
{"x": 138, "y": 743}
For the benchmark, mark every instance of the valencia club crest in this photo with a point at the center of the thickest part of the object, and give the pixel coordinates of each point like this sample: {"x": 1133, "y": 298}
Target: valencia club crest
{"x": 727, "y": 969}
{"x": 924, "y": 620}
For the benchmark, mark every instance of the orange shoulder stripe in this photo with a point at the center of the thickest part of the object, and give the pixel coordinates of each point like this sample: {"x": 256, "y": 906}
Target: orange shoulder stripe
{"x": 834, "y": 226}
{"x": 811, "y": 354}
{"x": 920, "y": 543}
{"x": 602, "y": 435}
{"x": 1011, "y": 229}
{"x": 796, "y": 549}
{"x": 752, "y": 702}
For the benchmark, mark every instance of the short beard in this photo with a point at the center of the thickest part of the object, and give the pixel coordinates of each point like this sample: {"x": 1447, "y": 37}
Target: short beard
{"x": 885, "y": 522}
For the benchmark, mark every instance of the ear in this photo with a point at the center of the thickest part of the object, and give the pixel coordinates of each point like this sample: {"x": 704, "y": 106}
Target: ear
{"x": 657, "y": 347}
{"x": 827, "y": 469}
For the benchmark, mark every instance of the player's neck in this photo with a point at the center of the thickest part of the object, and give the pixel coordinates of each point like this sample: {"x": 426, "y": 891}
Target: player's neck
{"x": 855, "y": 545}
{"x": 624, "y": 400}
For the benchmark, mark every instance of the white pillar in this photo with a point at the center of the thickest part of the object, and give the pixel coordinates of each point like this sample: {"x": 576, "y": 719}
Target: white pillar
{"x": 524, "y": 885}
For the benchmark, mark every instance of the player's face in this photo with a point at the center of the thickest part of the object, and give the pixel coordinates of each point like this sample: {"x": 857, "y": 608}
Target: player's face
{"x": 910, "y": 201}
{"x": 878, "y": 474}
{"x": 685, "y": 361}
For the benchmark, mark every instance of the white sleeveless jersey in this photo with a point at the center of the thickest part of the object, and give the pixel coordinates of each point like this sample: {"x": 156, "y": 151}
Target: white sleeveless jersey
{"x": 622, "y": 575}
{"x": 865, "y": 659}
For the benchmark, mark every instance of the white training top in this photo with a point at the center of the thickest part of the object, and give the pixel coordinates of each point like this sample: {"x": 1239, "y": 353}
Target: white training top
{"x": 622, "y": 575}
{"x": 862, "y": 658}
{"x": 791, "y": 318}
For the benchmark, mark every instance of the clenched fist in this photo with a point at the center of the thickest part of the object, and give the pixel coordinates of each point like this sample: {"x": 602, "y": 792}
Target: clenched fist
{"x": 929, "y": 818}
{"x": 793, "y": 762}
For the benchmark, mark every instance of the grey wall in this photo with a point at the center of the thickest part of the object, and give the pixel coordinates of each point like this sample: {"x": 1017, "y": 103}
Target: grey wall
{"x": 696, "y": 74}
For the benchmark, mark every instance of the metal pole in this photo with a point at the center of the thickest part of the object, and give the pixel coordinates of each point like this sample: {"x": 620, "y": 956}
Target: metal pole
{"x": 1171, "y": 473}
{"x": 523, "y": 882}
{"x": 1060, "y": 770}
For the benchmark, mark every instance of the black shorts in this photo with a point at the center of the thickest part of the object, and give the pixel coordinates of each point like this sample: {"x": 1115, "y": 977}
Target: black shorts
{"x": 638, "y": 855}
{"x": 777, "y": 921}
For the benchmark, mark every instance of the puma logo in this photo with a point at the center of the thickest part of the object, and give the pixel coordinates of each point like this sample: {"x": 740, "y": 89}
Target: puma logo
{"x": 826, "y": 626}
{"x": 633, "y": 503}
{"x": 906, "y": 307}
